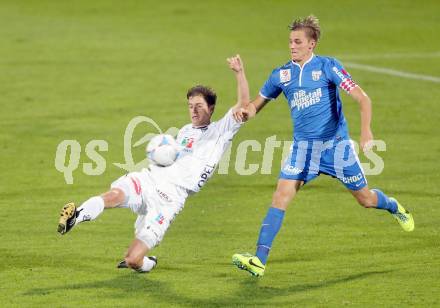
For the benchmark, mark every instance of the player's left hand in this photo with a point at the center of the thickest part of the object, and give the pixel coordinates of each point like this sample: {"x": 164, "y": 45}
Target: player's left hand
{"x": 235, "y": 63}
{"x": 366, "y": 140}
{"x": 240, "y": 114}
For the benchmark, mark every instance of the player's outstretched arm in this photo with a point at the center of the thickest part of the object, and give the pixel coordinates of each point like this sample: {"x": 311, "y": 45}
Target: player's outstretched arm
{"x": 243, "y": 97}
{"x": 365, "y": 109}
{"x": 244, "y": 109}
{"x": 240, "y": 109}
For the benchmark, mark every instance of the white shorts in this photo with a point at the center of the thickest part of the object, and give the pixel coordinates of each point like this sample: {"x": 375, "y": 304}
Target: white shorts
{"x": 156, "y": 203}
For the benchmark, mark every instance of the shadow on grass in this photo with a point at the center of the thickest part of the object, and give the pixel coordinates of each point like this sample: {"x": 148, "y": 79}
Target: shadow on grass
{"x": 247, "y": 291}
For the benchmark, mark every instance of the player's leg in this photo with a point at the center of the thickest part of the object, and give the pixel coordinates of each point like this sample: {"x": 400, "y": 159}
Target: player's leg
{"x": 136, "y": 258}
{"x": 348, "y": 169}
{"x": 285, "y": 192}
{"x": 375, "y": 198}
{"x": 294, "y": 173}
{"x": 150, "y": 228}
{"x": 369, "y": 199}
{"x": 89, "y": 210}
{"x": 94, "y": 206}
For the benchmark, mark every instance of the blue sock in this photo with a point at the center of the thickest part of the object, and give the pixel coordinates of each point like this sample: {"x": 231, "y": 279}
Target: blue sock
{"x": 384, "y": 203}
{"x": 269, "y": 229}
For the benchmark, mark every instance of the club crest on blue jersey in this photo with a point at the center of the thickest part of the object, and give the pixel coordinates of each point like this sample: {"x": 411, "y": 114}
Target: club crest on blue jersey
{"x": 316, "y": 75}
{"x": 285, "y": 75}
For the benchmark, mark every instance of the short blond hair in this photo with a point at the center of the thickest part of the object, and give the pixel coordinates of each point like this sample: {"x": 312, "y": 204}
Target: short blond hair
{"x": 309, "y": 24}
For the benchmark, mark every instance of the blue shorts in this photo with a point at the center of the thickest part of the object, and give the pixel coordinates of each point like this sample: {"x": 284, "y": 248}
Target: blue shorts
{"x": 335, "y": 157}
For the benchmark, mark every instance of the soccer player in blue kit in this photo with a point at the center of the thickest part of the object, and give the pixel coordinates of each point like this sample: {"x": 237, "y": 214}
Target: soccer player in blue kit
{"x": 321, "y": 143}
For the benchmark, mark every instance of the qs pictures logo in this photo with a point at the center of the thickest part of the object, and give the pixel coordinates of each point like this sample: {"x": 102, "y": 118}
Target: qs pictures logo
{"x": 68, "y": 153}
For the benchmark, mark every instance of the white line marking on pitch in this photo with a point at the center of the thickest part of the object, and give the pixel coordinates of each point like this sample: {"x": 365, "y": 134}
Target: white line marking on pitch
{"x": 421, "y": 55}
{"x": 389, "y": 71}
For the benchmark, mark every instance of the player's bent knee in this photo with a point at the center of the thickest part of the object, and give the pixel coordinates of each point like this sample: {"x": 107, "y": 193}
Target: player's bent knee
{"x": 362, "y": 202}
{"x": 114, "y": 197}
{"x": 365, "y": 201}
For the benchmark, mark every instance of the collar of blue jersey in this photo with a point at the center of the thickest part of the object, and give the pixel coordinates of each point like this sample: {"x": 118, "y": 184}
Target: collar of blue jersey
{"x": 310, "y": 59}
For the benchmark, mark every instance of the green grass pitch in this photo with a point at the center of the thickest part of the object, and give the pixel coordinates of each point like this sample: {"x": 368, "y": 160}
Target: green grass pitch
{"x": 82, "y": 69}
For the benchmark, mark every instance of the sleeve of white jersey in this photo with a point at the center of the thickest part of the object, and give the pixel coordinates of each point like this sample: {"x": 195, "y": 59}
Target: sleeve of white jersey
{"x": 228, "y": 123}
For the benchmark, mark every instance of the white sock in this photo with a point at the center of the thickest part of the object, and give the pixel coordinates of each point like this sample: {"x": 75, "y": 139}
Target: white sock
{"x": 147, "y": 266}
{"x": 90, "y": 209}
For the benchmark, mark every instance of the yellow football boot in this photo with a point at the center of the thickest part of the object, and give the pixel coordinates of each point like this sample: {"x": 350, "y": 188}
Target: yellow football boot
{"x": 404, "y": 217}
{"x": 249, "y": 263}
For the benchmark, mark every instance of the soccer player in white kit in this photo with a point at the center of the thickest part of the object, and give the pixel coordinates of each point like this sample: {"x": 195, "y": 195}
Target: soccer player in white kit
{"x": 158, "y": 194}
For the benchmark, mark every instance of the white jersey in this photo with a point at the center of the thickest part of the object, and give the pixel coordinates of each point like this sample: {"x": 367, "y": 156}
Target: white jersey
{"x": 202, "y": 149}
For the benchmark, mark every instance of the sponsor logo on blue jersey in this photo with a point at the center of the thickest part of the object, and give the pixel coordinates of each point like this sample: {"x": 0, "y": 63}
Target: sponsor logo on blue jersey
{"x": 302, "y": 99}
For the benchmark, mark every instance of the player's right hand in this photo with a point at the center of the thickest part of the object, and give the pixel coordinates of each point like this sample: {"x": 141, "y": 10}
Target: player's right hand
{"x": 235, "y": 63}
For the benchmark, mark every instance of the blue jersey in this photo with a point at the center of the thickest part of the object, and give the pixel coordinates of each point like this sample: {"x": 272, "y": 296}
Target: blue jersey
{"x": 313, "y": 96}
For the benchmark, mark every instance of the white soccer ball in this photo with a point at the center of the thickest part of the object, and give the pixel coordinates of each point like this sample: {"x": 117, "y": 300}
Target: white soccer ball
{"x": 162, "y": 150}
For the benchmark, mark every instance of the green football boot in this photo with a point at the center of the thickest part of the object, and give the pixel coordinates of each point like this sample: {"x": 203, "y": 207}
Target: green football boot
{"x": 249, "y": 263}
{"x": 404, "y": 217}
